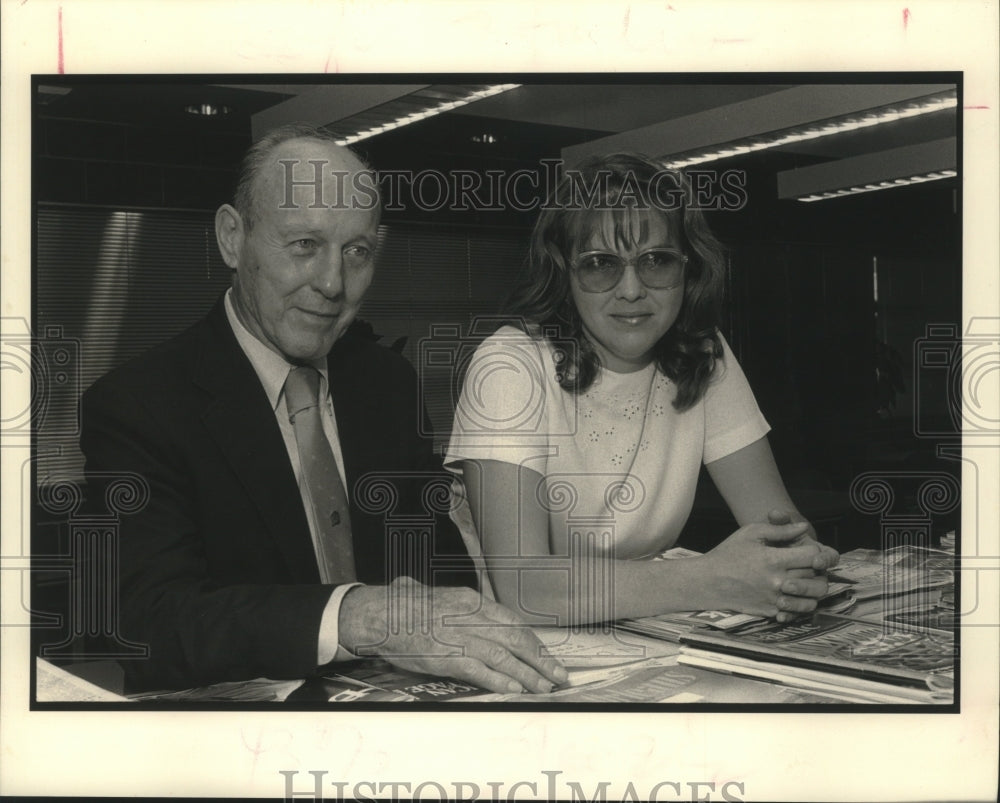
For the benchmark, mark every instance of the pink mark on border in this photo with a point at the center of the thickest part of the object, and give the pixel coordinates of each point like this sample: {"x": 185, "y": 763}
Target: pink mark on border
{"x": 255, "y": 751}
{"x": 61, "y": 67}
{"x": 906, "y": 18}
{"x": 975, "y": 107}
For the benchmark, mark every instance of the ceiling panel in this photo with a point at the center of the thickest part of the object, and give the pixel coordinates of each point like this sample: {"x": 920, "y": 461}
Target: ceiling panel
{"x": 86, "y": 117}
{"x": 611, "y": 107}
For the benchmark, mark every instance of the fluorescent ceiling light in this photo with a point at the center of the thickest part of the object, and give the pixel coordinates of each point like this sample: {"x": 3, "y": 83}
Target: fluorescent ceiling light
{"x": 437, "y": 102}
{"x": 824, "y": 128}
{"x": 207, "y": 109}
{"x": 882, "y": 185}
{"x": 881, "y": 170}
{"x": 48, "y": 93}
{"x": 48, "y": 89}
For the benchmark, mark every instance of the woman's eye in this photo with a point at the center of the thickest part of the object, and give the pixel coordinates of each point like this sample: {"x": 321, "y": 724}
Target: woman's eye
{"x": 664, "y": 260}
{"x": 598, "y": 264}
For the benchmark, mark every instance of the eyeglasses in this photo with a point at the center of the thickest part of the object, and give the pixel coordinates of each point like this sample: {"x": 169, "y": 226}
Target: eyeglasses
{"x": 657, "y": 269}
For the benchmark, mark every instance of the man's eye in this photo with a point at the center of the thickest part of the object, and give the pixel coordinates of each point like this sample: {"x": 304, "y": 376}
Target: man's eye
{"x": 304, "y": 246}
{"x": 358, "y": 253}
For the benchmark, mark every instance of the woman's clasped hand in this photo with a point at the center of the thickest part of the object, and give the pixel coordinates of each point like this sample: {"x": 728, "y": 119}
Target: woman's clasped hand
{"x": 770, "y": 569}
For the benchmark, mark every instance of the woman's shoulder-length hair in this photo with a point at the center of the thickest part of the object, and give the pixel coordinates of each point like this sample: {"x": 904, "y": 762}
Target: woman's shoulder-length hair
{"x": 616, "y": 187}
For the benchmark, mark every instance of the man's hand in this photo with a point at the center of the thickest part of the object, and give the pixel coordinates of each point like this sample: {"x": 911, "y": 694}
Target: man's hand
{"x": 446, "y": 631}
{"x": 768, "y": 570}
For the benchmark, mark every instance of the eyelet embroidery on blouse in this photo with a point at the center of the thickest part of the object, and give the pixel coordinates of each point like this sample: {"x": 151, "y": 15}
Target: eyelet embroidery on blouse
{"x": 631, "y": 409}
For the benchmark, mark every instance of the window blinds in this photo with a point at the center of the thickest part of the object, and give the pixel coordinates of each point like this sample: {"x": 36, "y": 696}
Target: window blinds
{"x": 111, "y": 283}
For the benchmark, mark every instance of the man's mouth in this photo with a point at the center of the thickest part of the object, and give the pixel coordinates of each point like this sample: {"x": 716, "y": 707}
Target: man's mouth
{"x": 318, "y": 315}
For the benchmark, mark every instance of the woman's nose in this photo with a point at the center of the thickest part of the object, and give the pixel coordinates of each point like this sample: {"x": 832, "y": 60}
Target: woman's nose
{"x": 630, "y": 286}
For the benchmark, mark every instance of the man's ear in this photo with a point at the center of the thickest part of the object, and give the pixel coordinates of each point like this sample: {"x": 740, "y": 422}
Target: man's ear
{"x": 229, "y": 233}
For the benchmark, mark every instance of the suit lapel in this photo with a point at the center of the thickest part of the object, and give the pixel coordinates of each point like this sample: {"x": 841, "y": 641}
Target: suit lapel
{"x": 240, "y": 420}
{"x": 369, "y": 408}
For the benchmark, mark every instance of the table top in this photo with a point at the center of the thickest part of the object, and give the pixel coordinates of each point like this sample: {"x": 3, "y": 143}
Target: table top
{"x": 607, "y": 666}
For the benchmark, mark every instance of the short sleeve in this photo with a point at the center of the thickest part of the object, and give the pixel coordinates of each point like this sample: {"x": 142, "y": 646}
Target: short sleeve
{"x": 502, "y": 411}
{"x": 732, "y": 418}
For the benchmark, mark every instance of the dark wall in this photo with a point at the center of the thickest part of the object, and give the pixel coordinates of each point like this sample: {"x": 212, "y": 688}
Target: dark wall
{"x": 190, "y": 166}
{"x": 834, "y": 366}
{"x": 813, "y": 332}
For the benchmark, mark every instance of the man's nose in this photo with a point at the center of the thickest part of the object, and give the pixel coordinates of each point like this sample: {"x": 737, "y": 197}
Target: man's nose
{"x": 630, "y": 286}
{"x": 328, "y": 277}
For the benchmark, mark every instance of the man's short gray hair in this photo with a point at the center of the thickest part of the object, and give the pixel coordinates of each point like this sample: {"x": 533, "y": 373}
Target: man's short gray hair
{"x": 245, "y": 197}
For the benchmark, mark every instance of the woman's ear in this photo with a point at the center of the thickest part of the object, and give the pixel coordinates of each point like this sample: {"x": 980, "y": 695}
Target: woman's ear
{"x": 229, "y": 233}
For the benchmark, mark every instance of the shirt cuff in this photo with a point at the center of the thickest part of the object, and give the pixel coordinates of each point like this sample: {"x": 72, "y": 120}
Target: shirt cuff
{"x": 328, "y": 648}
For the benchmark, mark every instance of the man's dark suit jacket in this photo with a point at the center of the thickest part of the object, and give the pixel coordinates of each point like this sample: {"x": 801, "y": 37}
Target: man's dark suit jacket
{"x": 217, "y": 570}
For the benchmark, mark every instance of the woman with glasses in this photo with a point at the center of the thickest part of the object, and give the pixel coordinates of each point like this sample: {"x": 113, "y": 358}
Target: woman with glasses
{"x": 579, "y": 435}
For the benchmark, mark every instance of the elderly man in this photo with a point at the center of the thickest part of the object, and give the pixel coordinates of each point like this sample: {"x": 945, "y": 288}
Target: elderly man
{"x": 252, "y": 556}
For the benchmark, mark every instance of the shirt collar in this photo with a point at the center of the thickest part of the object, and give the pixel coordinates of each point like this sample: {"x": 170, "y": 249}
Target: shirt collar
{"x": 272, "y": 369}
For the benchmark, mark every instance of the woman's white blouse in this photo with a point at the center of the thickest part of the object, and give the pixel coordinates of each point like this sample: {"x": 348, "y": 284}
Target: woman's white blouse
{"x": 619, "y": 463}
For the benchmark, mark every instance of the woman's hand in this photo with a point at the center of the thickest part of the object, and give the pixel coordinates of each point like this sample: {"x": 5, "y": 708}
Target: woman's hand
{"x": 828, "y": 556}
{"x": 749, "y": 481}
{"x": 769, "y": 570}
{"x": 798, "y": 579}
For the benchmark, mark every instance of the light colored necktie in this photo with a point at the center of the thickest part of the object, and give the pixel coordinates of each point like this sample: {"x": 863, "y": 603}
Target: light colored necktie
{"x": 334, "y": 547}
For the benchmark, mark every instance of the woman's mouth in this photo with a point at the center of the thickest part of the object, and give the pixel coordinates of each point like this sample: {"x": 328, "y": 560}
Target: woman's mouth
{"x": 632, "y": 319}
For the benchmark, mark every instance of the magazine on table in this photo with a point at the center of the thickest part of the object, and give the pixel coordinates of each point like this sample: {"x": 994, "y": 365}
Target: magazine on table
{"x": 842, "y": 687}
{"x": 901, "y": 570}
{"x": 838, "y": 645}
{"x": 376, "y": 680}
